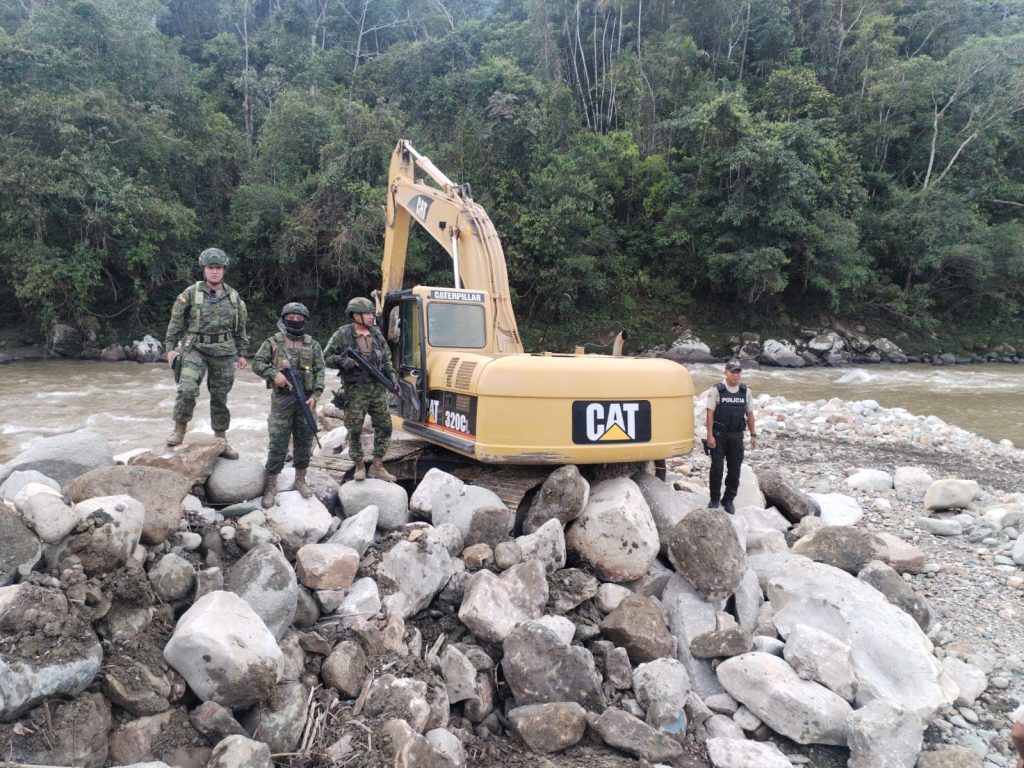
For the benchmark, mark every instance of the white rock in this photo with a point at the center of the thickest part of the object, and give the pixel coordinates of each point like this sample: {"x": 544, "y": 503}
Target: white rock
{"x": 884, "y": 735}
{"x": 298, "y": 521}
{"x": 357, "y": 531}
{"x": 838, "y": 508}
{"x": 818, "y": 656}
{"x": 45, "y": 511}
{"x": 971, "y": 680}
{"x": 457, "y": 506}
{"x": 391, "y": 500}
{"x": 419, "y": 570}
{"x": 911, "y": 483}
{"x": 740, "y": 753}
{"x": 547, "y": 544}
{"x": 873, "y": 480}
{"x": 360, "y": 601}
{"x": 10, "y": 487}
{"x": 420, "y": 503}
{"x": 234, "y": 480}
{"x": 950, "y": 493}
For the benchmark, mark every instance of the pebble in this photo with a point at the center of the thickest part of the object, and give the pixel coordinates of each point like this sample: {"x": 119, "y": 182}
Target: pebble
{"x": 969, "y": 715}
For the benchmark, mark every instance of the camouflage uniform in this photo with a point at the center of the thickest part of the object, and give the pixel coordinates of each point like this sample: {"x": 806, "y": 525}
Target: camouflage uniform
{"x": 213, "y": 329}
{"x": 364, "y": 394}
{"x": 277, "y": 352}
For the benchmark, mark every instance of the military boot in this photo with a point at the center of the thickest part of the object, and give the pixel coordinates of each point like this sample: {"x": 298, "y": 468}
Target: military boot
{"x": 300, "y": 484}
{"x": 178, "y": 435}
{"x": 360, "y": 471}
{"x": 377, "y": 470}
{"x": 228, "y": 452}
{"x": 269, "y": 489}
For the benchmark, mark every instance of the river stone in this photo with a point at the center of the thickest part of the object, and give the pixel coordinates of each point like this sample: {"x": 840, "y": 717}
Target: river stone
{"x": 971, "y": 680}
{"x": 668, "y": 506}
{"x": 46, "y": 512}
{"x": 297, "y": 521}
{"x": 264, "y": 579}
{"x": 705, "y": 550}
{"x": 416, "y": 572}
{"x": 901, "y": 556}
{"x": 460, "y": 505}
{"x": 194, "y": 458}
{"x": 883, "y": 735}
{"x": 838, "y": 509}
{"x": 615, "y": 533}
{"x": 420, "y": 503}
{"x": 949, "y": 757}
{"x": 134, "y": 687}
{"x": 546, "y": 544}
{"x": 280, "y": 719}
{"x": 548, "y": 728}
{"x": 818, "y": 656}
{"x": 950, "y": 493}
{"x": 345, "y": 668}
{"x": 898, "y": 592}
{"x": 562, "y": 496}
{"x": 234, "y": 480}
{"x": 780, "y": 353}
{"x": 19, "y": 546}
{"x": 689, "y": 615}
{"x": 540, "y": 668}
{"x": 225, "y": 652}
{"x": 18, "y": 480}
{"x": 76, "y": 734}
{"x": 357, "y": 531}
{"x": 237, "y": 751}
{"x": 794, "y": 504}
{"x": 911, "y": 483}
{"x": 391, "y": 500}
{"x": 728, "y": 641}
{"x": 109, "y": 532}
{"x": 173, "y": 578}
{"x": 637, "y": 625}
{"x": 633, "y": 736}
{"x": 892, "y": 657}
{"x": 740, "y": 753}
{"x": 804, "y": 711}
{"x": 890, "y": 352}
{"x": 62, "y": 457}
{"x": 870, "y": 480}
{"x": 160, "y": 490}
{"x": 841, "y": 546}
{"x": 493, "y": 606}
{"x": 326, "y": 566}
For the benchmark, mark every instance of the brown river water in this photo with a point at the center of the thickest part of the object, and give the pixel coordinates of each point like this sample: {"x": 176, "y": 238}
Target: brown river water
{"x": 130, "y": 404}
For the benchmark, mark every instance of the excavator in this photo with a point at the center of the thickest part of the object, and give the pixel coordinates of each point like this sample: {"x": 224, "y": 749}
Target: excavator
{"x": 467, "y": 385}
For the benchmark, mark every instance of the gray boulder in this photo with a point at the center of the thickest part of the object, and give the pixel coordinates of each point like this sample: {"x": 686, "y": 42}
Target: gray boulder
{"x": 493, "y": 606}
{"x": 234, "y": 480}
{"x": 633, "y": 736}
{"x": 418, "y": 571}
{"x": 391, "y": 500}
{"x": 951, "y": 493}
{"x": 550, "y": 727}
{"x": 898, "y": 592}
{"x": 62, "y": 457}
{"x": 638, "y": 625}
{"x": 562, "y": 497}
{"x": 705, "y": 550}
{"x": 10, "y": 487}
{"x": 841, "y": 546}
{"x": 149, "y": 350}
{"x": 540, "y": 668}
{"x": 265, "y": 580}
{"x": 778, "y": 492}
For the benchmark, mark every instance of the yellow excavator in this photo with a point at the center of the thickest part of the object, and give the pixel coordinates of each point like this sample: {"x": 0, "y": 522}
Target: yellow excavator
{"x": 468, "y": 387}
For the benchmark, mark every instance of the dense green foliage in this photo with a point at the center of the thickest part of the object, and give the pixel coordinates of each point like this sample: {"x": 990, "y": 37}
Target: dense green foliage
{"x": 750, "y": 159}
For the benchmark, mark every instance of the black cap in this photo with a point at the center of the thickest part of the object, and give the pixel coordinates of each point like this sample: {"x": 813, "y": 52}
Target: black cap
{"x": 733, "y": 365}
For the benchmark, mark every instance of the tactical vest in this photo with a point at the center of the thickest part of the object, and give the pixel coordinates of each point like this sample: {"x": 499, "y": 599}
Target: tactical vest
{"x": 198, "y": 298}
{"x": 280, "y": 359}
{"x": 731, "y": 411}
{"x": 379, "y": 357}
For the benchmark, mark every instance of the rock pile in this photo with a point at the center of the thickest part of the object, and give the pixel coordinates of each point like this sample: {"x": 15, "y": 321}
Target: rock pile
{"x": 141, "y": 625}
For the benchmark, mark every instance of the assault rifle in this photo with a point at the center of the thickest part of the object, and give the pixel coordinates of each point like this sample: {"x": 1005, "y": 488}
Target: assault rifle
{"x": 374, "y": 371}
{"x": 298, "y": 395}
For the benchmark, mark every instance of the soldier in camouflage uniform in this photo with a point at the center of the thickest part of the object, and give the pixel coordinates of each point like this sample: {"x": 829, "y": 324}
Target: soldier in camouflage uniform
{"x": 364, "y": 394}
{"x": 209, "y": 319}
{"x": 289, "y": 347}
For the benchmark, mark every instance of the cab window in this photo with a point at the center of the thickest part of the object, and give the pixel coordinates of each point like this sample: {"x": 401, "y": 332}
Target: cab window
{"x": 409, "y": 320}
{"x": 456, "y": 325}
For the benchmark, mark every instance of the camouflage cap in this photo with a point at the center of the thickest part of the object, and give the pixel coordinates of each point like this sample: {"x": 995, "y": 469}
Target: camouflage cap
{"x": 213, "y": 257}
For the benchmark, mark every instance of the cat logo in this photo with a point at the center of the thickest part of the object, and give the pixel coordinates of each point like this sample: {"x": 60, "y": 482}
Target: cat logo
{"x": 611, "y": 421}
{"x": 420, "y": 206}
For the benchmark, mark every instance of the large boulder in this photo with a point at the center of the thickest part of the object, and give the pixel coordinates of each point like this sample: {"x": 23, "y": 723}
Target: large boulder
{"x": 297, "y": 521}
{"x": 234, "y": 480}
{"x": 65, "y": 340}
{"x": 46, "y": 512}
{"x": 10, "y": 487}
{"x": 264, "y": 579}
{"x": 563, "y": 496}
{"x": 493, "y": 606}
{"x": 194, "y": 458}
{"x": 148, "y": 350}
{"x": 951, "y": 493}
{"x": 459, "y": 506}
{"x": 838, "y": 508}
{"x": 668, "y": 506}
{"x": 706, "y": 551}
{"x": 391, "y": 500}
{"x": 841, "y": 546}
{"x": 786, "y": 497}
{"x": 62, "y": 457}
{"x": 225, "y": 652}
{"x": 637, "y": 625}
{"x": 780, "y": 353}
{"x": 109, "y": 532}
{"x": 20, "y": 548}
{"x": 160, "y": 491}
{"x": 551, "y": 727}
{"x": 892, "y": 658}
{"x": 540, "y": 668}
{"x": 615, "y": 534}
{"x": 414, "y": 572}
{"x": 690, "y": 615}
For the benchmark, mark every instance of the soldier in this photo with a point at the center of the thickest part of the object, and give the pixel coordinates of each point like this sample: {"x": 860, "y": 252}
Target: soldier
{"x": 364, "y": 394}
{"x": 289, "y": 347}
{"x": 211, "y": 317}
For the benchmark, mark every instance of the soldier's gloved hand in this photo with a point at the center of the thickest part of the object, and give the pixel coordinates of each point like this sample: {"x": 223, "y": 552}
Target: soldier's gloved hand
{"x": 348, "y": 364}
{"x": 280, "y": 381}
{"x": 394, "y": 379}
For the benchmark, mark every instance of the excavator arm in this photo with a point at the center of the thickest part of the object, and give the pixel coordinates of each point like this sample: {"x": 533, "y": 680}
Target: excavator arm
{"x": 447, "y": 212}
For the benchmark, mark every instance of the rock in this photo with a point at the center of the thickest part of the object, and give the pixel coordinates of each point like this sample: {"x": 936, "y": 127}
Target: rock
{"x": 940, "y": 527}
{"x": 950, "y": 493}
{"x": 194, "y": 458}
{"x": 638, "y": 625}
{"x": 149, "y": 350}
{"x": 719, "y": 643}
{"x": 949, "y": 757}
{"x": 615, "y": 534}
{"x": 161, "y": 492}
{"x": 10, "y": 487}
{"x": 264, "y": 579}
{"x": 134, "y": 687}
{"x": 108, "y": 533}
{"x": 898, "y": 592}
{"x": 804, "y": 711}
{"x": 911, "y": 483}
{"x": 235, "y": 480}
{"x": 493, "y": 606}
{"x": 890, "y": 352}
{"x": 780, "y": 353}
{"x": 818, "y": 656}
{"x": 667, "y": 505}
{"x": 418, "y": 570}
{"x": 971, "y": 680}
{"x": 490, "y": 526}
{"x": 358, "y": 602}
{"x": 404, "y": 697}
{"x": 689, "y": 615}
{"x": 705, "y": 550}
{"x": 883, "y": 735}
{"x": 224, "y": 651}
{"x": 420, "y": 503}
{"x": 634, "y": 737}
{"x": 547, "y": 544}
{"x": 843, "y": 547}
{"x": 357, "y": 531}
{"x": 240, "y": 752}
{"x": 459, "y": 675}
{"x": 19, "y": 546}
{"x": 46, "y": 512}
{"x": 562, "y": 497}
{"x": 740, "y": 753}
{"x": 280, "y": 719}
{"x": 62, "y": 457}
{"x": 297, "y": 521}
{"x": 791, "y": 502}
{"x": 548, "y": 728}
{"x": 570, "y": 587}
{"x": 869, "y": 480}
{"x": 688, "y": 349}
{"x": 345, "y": 669}
{"x": 173, "y": 578}
{"x": 892, "y": 657}
{"x": 411, "y": 750}
{"x": 77, "y": 735}
{"x": 749, "y": 492}
{"x": 901, "y": 556}
{"x": 540, "y": 668}
{"x": 326, "y": 566}
{"x": 65, "y": 341}
{"x": 838, "y": 509}
{"x": 459, "y": 505}
{"x": 390, "y": 499}
{"x": 113, "y": 354}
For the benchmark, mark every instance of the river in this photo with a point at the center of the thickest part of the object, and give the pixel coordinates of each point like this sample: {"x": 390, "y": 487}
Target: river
{"x": 130, "y": 404}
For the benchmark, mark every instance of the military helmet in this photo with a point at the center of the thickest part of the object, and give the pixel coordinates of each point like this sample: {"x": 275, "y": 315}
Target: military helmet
{"x": 213, "y": 257}
{"x": 358, "y": 305}
{"x": 295, "y": 307}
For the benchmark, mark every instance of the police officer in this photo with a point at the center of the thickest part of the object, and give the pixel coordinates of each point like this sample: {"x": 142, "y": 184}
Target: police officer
{"x": 209, "y": 318}
{"x": 730, "y": 410}
{"x": 290, "y": 347}
{"x": 365, "y": 395}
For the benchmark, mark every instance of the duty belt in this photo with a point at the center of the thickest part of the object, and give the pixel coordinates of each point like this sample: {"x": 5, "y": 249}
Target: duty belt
{"x": 211, "y": 338}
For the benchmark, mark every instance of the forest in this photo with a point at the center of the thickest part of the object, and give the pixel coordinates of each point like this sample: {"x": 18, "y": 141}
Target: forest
{"x": 741, "y": 163}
